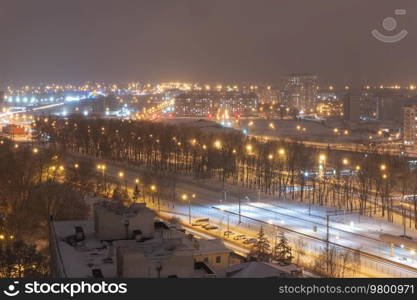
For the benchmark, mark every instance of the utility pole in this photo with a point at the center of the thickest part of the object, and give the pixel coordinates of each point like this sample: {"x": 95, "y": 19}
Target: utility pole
{"x": 189, "y": 210}
{"x": 240, "y": 214}
{"x": 327, "y": 244}
{"x": 228, "y": 222}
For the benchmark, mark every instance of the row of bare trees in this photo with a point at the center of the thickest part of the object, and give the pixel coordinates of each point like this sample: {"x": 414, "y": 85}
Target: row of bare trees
{"x": 371, "y": 183}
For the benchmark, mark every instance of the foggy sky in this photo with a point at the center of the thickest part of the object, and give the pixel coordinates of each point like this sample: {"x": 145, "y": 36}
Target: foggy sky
{"x": 232, "y": 41}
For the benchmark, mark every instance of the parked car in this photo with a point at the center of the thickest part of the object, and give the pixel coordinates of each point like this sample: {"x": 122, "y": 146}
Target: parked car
{"x": 210, "y": 227}
{"x": 228, "y": 233}
{"x": 250, "y": 241}
{"x": 240, "y": 237}
{"x": 200, "y": 222}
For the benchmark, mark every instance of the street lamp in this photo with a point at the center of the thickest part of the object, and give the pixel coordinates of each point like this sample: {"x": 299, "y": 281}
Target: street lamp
{"x": 249, "y": 148}
{"x": 185, "y": 198}
{"x": 153, "y": 190}
{"x": 35, "y": 151}
{"x": 218, "y": 144}
{"x": 228, "y": 221}
{"x": 102, "y": 168}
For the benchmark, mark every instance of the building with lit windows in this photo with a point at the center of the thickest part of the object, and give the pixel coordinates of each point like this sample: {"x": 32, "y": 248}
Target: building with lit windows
{"x": 211, "y": 103}
{"x": 410, "y": 125}
{"x": 300, "y": 91}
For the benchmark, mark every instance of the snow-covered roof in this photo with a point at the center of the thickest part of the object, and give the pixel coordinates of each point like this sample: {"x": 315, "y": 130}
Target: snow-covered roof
{"x": 260, "y": 270}
{"x": 204, "y": 247}
{"x": 79, "y": 261}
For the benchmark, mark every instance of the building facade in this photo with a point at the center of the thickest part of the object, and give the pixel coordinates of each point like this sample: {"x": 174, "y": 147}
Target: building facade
{"x": 300, "y": 91}
{"x": 211, "y": 103}
{"x": 410, "y": 125}
{"x": 352, "y": 107}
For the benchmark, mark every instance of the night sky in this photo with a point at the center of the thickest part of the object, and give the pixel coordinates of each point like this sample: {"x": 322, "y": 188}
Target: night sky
{"x": 233, "y": 41}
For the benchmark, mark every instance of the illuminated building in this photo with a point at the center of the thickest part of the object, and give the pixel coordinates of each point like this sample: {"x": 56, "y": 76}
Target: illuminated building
{"x": 208, "y": 103}
{"x": 300, "y": 91}
{"x": 329, "y": 106}
{"x": 410, "y": 125}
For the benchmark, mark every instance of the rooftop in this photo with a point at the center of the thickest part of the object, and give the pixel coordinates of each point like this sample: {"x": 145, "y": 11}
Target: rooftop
{"x": 261, "y": 270}
{"x": 79, "y": 260}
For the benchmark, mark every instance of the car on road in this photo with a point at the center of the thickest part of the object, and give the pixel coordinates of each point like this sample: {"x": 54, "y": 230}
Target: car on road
{"x": 200, "y": 222}
{"x": 240, "y": 237}
{"x": 228, "y": 233}
{"x": 250, "y": 241}
{"x": 210, "y": 227}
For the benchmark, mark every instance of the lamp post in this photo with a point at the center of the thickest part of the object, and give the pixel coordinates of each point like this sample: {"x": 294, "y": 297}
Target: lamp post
{"x": 102, "y": 168}
{"x": 153, "y": 190}
{"x": 136, "y": 192}
{"x": 228, "y": 221}
{"x": 121, "y": 176}
{"x": 186, "y": 198}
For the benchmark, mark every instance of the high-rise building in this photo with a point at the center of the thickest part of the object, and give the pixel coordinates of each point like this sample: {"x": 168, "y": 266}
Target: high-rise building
{"x": 300, "y": 91}
{"x": 206, "y": 103}
{"x": 196, "y": 104}
{"x": 410, "y": 125}
{"x": 352, "y": 107}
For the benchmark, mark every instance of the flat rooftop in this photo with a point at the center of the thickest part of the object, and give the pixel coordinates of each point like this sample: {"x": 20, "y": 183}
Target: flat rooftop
{"x": 79, "y": 261}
